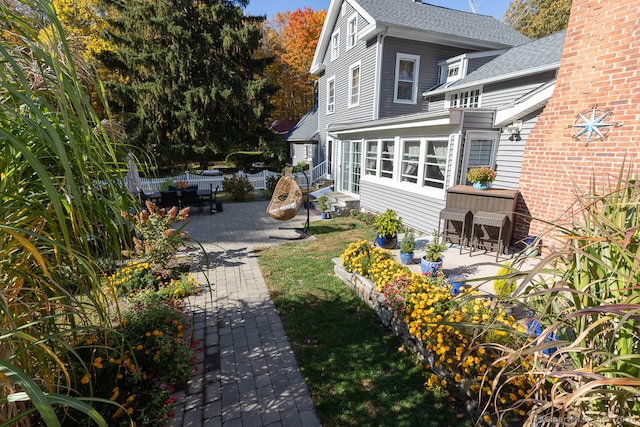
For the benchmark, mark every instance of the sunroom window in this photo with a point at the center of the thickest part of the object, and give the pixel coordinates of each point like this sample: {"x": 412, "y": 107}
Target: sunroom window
{"x": 386, "y": 160}
{"x": 435, "y": 163}
{"x": 371, "y": 158}
{"x": 410, "y": 161}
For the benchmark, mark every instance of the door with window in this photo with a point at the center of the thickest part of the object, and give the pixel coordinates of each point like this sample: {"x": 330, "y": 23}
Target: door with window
{"x": 351, "y": 167}
{"x": 479, "y": 150}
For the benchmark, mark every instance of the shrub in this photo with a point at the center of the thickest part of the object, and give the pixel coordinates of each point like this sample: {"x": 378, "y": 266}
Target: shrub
{"x": 156, "y": 240}
{"x": 238, "y": 188}
{"x": 502, "y": 285}
{"x": 408, "y": 244}
{"x": 272, "y": 181}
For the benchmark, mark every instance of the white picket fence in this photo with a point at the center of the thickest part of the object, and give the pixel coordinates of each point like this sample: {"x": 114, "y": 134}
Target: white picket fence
{"x": 205, "y": 182}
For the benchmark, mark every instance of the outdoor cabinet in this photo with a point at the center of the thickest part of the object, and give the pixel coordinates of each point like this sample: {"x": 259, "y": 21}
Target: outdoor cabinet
{"x": 494, "y": 201}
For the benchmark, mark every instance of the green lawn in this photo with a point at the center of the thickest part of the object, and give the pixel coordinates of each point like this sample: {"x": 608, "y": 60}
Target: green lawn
{"x": 357, "y": 371}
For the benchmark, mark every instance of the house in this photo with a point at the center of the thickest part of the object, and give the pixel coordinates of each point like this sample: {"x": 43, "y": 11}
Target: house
{"x": 303, "y": 140}
{"x": 412, "y": 95}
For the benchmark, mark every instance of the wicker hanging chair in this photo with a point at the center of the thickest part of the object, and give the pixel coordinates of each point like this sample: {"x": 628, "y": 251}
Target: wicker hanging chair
{"x": 286, "y": 199}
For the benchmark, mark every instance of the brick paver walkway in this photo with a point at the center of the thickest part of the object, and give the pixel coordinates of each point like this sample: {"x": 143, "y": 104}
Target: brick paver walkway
{"x": 246, "y": 374}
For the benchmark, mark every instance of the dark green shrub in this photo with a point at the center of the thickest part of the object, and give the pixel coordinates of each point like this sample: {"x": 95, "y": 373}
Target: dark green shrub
{"x": 272, "y": 181}
{"x": 238, "y": 188}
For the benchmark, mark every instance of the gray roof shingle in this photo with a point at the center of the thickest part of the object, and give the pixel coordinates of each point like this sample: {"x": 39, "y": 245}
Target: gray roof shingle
{"x": 427, "y": 17}
{"x": 306, "y": 129}
{"x": 537, "y": 54}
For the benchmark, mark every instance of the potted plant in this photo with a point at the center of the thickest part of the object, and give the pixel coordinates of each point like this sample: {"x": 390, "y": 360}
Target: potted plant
{"x": 323, "y": 205}
{"x": 407, "y": 246}
{"x": 481, "y": 177}
{"x": 432, "y": 259}
{"x": 387, "y": 225}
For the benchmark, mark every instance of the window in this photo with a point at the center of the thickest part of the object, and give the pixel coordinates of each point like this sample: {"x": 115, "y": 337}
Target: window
{"x": 331, "y": 95}
{"x": 371, "y": 159}
{"x": 410, "y": 161}
{"x": 480, "y": 150}
{"x": 435, "y": 163}
{"x": 386, "y": 158}
{"x": 354, "y": 85}
{"x": 406, "y": 87}
{"x": 352, "y": 31}
{"x": 307, "y": 152}
{"x": 335, "y": 45}
{"x": 469, "y": 98}
{"x": 451, "y": 70}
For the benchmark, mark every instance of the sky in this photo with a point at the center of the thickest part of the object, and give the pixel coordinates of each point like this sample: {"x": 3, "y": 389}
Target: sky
{"x": 269, "y": 8}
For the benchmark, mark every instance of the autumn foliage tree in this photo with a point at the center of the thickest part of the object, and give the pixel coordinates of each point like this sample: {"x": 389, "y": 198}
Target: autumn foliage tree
{"x": 538, "y": 18}
{"x": 291, "y": 38}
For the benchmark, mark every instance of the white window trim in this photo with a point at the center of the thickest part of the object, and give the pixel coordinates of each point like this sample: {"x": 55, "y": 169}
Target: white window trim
{"x": 331, "y": 106}
{"x": 352, "y": 18}
{"x": 446, "y": 65}
{"x": 335, "y": 50}
{"x": 416, "y": 75}
{"x": 475, "y": 134}
{"x": 396, "y": 181}
{"x": 351, "y": 68}
{"x": 449, "y": 95}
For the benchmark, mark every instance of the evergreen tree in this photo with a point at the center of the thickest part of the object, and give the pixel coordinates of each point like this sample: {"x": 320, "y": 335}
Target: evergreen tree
{"x": 189, "y": 86}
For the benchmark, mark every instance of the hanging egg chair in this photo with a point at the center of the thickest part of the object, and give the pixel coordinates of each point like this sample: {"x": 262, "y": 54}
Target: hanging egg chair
{"x": 286, "y": 200}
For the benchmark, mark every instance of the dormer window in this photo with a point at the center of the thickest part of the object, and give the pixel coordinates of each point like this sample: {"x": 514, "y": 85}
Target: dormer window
{"x": 452, "y": 70}
{"x": 352, "y": 31}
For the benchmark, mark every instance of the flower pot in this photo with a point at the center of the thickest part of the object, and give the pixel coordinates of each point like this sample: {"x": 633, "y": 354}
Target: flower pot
{"x": 405, "y": 258}
{"x": 324, "y": 215}
{"x": 457, "y": 282}
{"x": 482, "y": 185}
{"x": 387, "y": 241}
{"x": 430, "y": 267}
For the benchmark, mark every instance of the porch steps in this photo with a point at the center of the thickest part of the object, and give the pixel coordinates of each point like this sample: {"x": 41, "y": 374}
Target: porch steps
{"x": 341, "y": 204}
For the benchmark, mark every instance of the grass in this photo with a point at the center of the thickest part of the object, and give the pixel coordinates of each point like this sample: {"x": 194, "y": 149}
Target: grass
{"x": 357, "y": 371}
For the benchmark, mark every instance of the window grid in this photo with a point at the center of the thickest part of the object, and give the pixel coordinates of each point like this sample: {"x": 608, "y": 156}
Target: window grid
{"x": 335, "y": 45}
{"x": 354, "y": 86}
{"x": 371, "y": 159}
{"x": 435, "y": 164}
{"x": 352, "y": 30}
{"x": 331, "y": 95}
{"x": 410, "y": 161}
{"x": 465, "y": 99}
{"x": 386, "y": 158}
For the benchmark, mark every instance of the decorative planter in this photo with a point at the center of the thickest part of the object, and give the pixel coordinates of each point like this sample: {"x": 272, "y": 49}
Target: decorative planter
{"x": 387, "y": 242}
{"x": 430, "y": 266}
{"x": 457, "y": 282}
{"x": 482, "y": 185}
{"x": 324, "y": 215}
{"x": 406, "y": 259}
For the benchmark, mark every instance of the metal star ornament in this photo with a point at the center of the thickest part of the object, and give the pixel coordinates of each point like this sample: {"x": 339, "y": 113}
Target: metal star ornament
{"x": 592, "y": 124}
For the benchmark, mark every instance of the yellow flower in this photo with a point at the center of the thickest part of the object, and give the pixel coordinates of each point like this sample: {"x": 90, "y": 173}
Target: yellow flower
{"x": 116, "y": 393}
{"x": 85, "y": 379}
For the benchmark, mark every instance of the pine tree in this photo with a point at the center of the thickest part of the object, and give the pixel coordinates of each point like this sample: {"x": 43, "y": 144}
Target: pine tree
{"x": 189, "y": 86}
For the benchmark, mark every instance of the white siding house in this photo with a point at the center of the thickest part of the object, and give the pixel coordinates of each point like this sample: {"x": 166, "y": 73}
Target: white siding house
{"x": 411, "y": 95}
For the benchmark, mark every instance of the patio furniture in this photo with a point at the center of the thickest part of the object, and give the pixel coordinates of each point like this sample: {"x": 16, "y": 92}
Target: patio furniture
{"x": 451, "y": 232}
{"x": 486, "y": 235}
{"x": 189, "y": 198}
{"x": 169, "y": 199}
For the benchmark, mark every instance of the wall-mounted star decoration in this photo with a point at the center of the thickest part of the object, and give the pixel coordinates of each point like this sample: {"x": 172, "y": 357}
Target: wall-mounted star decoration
{"x": 594, "y": 124}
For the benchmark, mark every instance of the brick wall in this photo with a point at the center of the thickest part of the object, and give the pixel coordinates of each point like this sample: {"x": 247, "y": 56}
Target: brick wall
{"x": 600, "y": 66}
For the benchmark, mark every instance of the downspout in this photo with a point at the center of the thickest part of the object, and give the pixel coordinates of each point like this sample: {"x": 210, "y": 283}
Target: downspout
{"x": 378, "y": 77}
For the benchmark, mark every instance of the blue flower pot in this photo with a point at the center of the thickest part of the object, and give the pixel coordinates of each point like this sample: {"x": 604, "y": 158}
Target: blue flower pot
{"x": 481, "y": 185}
{"x": 387, "y": 242}
{"x": 324, "y": 215}
{"x": 457, "y": 282}
{"x": 406, "y": 259}
{"x": 430, "y": 267}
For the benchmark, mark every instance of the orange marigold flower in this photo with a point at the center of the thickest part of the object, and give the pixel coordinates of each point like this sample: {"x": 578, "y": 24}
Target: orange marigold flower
{"x": 85, "y": 379}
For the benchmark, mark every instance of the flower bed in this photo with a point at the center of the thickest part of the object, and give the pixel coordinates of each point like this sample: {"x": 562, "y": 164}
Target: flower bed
{"x": 460, "y": 338}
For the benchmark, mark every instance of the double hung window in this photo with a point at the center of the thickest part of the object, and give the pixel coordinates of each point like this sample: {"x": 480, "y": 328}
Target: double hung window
{"x": 354, "y": 85}
{"x": 406, "y": 87}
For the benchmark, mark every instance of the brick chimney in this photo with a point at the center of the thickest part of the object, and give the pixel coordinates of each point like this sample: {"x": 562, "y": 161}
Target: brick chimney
{"x": 599, "y": 71}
